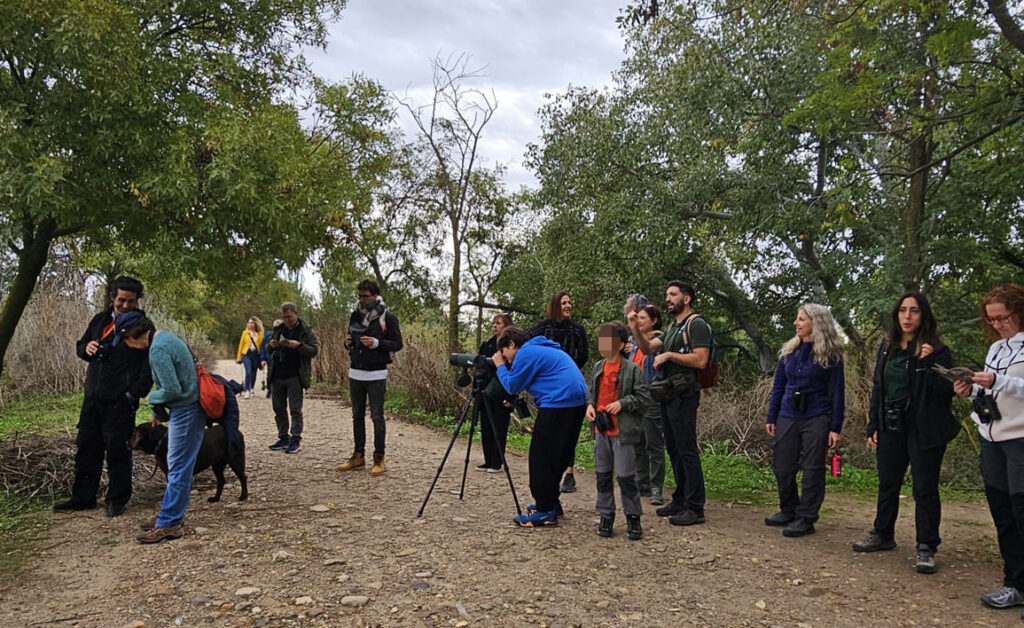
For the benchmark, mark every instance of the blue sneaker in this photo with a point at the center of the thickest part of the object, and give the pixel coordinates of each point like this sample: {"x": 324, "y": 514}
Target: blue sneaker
{"x": 293, "y": 447}
{"x": 532, "y": 508}
{"x": 538, "y": 519}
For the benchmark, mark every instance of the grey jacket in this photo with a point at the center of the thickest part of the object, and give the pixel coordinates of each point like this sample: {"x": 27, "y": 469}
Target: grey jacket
{"x": 633, "y": 397}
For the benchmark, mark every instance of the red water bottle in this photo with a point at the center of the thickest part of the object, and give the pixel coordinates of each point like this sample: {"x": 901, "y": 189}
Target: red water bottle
{"x": 837, "y": 464}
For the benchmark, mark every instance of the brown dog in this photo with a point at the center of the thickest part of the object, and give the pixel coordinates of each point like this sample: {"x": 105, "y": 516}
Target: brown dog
{"x": 151, "y": 439}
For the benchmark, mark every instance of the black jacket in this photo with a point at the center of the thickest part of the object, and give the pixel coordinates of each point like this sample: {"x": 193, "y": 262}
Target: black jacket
{"x": 492, "y": 387}
{"x": 931, "y": 397}
{"x": 390, "y": 341}
{"x": 569, "y": 335}
{"x": 113, "y": 371}
{"x": 308, "y": 348}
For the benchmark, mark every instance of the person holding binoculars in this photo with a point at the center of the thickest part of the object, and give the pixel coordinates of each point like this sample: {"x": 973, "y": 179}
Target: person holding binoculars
{"x": 910, "y": 421}
{"x": 805, "y": 416}
{"x": 618, "y": 401}
{"x": 997, "y": 394}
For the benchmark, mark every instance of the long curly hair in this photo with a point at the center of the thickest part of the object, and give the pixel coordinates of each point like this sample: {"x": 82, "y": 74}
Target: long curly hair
{"x": 828, "y": 346}
{"x": 1009, "y": 294}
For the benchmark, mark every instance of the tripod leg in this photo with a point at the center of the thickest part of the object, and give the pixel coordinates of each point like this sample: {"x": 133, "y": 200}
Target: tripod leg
{"x": 469, "y": 445}
{"x": 440, "y": 467}
{"x": 501, "y": 452}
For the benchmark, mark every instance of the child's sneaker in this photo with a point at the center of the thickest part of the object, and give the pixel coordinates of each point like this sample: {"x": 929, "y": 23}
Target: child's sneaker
{"x": 605, "y": 527}
{"x": 633, "y": 529}
{"x": 537, "y": 519}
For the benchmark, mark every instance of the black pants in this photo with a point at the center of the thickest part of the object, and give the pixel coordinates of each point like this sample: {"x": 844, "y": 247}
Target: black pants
{"x": 376, "y": 391}
{"x": 494, "y": 420}
{"x": 895, "y": 451}
{"x": 801, "y": 445}
{"x": 679, "y": 419}
{"x": 104, "y": 428}
{"x": 569, "y": 447}
{"x": 553, "y": 429}
{"x": 1002, "y": 468}
{"x": 286, "y": 395}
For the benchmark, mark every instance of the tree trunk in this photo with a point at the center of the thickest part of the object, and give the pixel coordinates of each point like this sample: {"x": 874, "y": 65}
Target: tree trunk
{"x": 31, "y": 260}
{"x": 912, "y": 268}
{"x": 453, "y": 295}
{"x": 743, "y": 310}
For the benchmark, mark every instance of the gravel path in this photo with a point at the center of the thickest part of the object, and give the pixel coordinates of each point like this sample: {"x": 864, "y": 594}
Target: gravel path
{"x": 315, "y": 547}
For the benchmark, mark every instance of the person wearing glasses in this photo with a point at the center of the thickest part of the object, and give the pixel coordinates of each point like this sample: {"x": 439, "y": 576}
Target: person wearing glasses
{"x": 997, "y": 394}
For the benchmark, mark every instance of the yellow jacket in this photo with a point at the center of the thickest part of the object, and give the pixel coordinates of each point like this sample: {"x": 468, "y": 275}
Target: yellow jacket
{"x": 244, "y": 343}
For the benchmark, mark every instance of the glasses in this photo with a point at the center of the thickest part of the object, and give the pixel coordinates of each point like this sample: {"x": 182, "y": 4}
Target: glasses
{"x": 365, "y": 295}
{"x": 998, "y": 320}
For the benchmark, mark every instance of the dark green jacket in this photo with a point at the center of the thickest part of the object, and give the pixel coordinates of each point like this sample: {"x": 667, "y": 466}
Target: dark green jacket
{"x": 633, "y": 397}
{"x": 308, "y": 349}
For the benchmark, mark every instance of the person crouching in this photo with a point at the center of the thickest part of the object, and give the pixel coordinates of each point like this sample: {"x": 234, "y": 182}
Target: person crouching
{"x": 618, "y": 399}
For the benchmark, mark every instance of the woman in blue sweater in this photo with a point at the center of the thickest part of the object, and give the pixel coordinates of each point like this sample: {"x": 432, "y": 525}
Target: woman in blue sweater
{"x": 805, "y": 416}
{"x": 177, "y": 391}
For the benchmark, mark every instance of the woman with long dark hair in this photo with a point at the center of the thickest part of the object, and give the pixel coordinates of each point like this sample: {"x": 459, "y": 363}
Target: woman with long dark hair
{"x": 910, "y": 422}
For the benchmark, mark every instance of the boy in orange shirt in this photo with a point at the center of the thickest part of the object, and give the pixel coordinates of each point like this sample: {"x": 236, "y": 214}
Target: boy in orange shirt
{"x": 618, "y": 391}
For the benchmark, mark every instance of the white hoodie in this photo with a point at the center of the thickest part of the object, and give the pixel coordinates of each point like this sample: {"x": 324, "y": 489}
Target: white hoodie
{"x": 1005, "y": 359}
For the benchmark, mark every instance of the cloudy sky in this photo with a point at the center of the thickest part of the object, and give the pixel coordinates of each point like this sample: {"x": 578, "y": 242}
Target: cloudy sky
{"x": 529, "y": 48}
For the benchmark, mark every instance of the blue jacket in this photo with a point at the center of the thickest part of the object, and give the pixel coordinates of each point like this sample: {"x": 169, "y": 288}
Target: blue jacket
{"x": 267, "y": 335}
{"x": 547, "y": 373}
{"x": 825, "y": 388}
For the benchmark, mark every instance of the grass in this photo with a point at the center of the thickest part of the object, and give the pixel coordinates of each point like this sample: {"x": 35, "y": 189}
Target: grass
{"x": 43, "y": 414}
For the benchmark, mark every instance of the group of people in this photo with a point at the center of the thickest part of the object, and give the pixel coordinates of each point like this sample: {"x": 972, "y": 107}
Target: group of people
{"x": 641, "y": 400}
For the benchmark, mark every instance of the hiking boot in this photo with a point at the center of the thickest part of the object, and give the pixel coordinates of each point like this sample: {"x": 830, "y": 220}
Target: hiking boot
{"x": 657, "y": 497}
{"x": 568, "y": 484}
{"x": 378, "y": 465}
{"x": 539, "y": 519}
{"x": 778, "y": 520}
{"x": 148, "y": 524}
{"x": 282, "y": 443}
{"x": 798, "y": 528}
{"x": 72, "y": 505}
{"x": 356, "y": 460}
{"x": 293, "y": 446}
{"x": 157, "y": 535}
{"x": 925, "y": 559}
{"x": 605, "y": 527}
{"x": 1004, "y": 597}
{"x": 670, "y": 509}
{"x": 874, "y": 542}
{"x": 114, "y": 510}
{"x": 532, "y": 508}
{"x": 633, "y": 529}
{"x": 686, "y": 518}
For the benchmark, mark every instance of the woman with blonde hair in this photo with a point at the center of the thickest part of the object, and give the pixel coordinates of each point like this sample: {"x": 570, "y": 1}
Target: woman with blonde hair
{"x": 805, "y": 416}
{"x": 248, "y": 355}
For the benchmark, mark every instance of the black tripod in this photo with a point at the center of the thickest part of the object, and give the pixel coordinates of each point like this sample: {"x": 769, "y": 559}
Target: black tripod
{"x": 471, "y": 409}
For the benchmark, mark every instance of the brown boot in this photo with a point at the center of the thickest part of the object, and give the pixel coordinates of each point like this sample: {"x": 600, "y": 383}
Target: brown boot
{"x": 161, "y": 534}
{"x": 357, "y": 460}
{"x": 378, "y": 465}
{"x": 148, "y": 524}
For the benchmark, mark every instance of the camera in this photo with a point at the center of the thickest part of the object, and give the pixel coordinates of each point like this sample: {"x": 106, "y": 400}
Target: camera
{"x": 603, "y": 422}
{"x": 799, "y": 401}
{"x": 986, "y": 408}
{"x": 521, "y": 407}
{"x": 892, "y": 418}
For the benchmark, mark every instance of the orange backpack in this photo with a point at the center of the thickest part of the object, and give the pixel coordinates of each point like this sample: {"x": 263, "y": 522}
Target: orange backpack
{"x": 211, "y": 393}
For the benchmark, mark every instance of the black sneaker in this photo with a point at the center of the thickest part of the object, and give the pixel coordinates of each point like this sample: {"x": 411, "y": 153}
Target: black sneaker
{"x": 71, "y": 506}
{"x": 633, "y": 529}
{"x": 568, "y": 483}
{"x": 779, "y": 520}
{"x": 293, "y": 447}
{"x": 925, "y": 559}
{"x": 114, "y": 510}
{"x": 605, "y": 527}
{"x": 798, "y": 528}
{"x": 686, "y": 518}
{"x": 874, "y": 542}
{"x": 281, "y": 443}
{"x": 670, "y": 509}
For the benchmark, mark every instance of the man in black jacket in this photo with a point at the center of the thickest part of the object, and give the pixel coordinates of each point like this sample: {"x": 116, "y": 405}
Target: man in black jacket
{"x": 116, "y": 378}
{"x": 373, "y": 338}
{"x": 290, "y": 353}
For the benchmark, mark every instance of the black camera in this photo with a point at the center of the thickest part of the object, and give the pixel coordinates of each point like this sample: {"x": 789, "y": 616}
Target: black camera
{"x": 522, "y": 408}
{"x": 799, "y": 402}
{"x": 986, "y": 408}
{"x": 892, "y": 418}
{"x": 603, "y": 422}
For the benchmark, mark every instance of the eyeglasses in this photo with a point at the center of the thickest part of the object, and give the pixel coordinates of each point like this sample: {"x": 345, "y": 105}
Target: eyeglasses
{"x": 1001, "y": 320}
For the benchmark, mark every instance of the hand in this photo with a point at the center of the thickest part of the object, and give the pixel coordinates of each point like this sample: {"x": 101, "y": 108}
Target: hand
{"x": 498, "y": 359}
{"x": 613, "y": 408}
{"x": 92, "y": 347}
{"x": 770, "y": 428}
{"x": 873, "y": 440}
{"x": 348, "y": 340}
{"x": 367, "y": 341}
{"x": 627, "y": 348}
{"x": 591, "y": 413}
{"x": 292, "y": 344}
{"x": 833, "y": 439}
{"x": 985, "y": 380}
{"x": 961, "y": 388}
{"x": 926, "y": 350}
{"x": 660, "y": 359}
{"x": 274, "y": 343}
{"x": 631, "y": 317}
{"x": 507, "y": 404}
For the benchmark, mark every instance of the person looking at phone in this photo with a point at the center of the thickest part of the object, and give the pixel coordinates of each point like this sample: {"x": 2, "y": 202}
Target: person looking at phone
{"x": 910, "y": 421}
{"x": 998, "y": 396}
{"x": 805, "y": 416}
{"x": 290, "y": 354}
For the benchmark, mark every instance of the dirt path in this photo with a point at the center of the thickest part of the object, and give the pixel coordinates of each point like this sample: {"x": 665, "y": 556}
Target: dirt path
{"x": 368, "y": 560}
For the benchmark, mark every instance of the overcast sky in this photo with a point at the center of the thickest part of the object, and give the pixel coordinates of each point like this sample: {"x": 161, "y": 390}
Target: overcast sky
{"x": 529, "y": 48}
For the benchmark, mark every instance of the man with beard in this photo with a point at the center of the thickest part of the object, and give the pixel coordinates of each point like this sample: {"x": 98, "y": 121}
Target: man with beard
{"x": 116, "y": 378}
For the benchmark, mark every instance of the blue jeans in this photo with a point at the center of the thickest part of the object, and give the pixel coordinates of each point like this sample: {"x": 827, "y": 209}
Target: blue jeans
{"x": 184, "y": 437}
{"x": 251, "y": 362}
